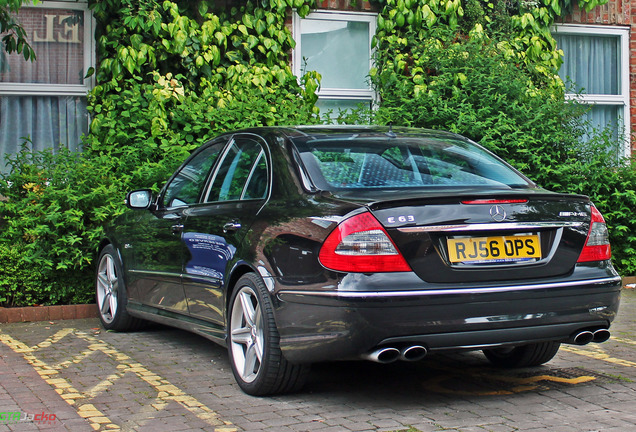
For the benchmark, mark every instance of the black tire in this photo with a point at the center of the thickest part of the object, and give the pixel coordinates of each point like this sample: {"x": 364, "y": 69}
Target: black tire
{"x": 523, "y": 356}
{"x": 111, "y": 293}
{"x": 257, "y": 361}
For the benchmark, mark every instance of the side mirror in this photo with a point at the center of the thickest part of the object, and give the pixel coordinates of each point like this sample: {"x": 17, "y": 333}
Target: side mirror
{"x": 139, "y": 199}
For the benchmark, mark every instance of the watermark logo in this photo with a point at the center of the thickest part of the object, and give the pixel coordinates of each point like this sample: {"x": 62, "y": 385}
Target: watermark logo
{"x": 13, "y": 417}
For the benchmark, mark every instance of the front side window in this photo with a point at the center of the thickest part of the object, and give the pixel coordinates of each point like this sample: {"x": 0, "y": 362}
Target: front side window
{"x": 596, "y": 63}
{"x": 338, "y": 46}
{"x": 186, "y": 186}
{"x": 44, "y": 102}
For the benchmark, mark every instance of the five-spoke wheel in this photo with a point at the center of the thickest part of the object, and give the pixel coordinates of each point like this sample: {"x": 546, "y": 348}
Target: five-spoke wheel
{"x": 246, "y": 334}
{"x": 107, "y": 288}
{"x": 110, "y": 293}
{"x": 253, "y": 342}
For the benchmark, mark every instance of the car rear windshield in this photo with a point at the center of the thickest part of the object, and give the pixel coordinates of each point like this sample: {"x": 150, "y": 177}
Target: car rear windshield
{"x": 403, "y": 162}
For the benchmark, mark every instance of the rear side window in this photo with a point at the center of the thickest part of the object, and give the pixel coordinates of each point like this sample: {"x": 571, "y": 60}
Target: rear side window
{"x": 242, "y": 173}
{"x": 406, "y": 162}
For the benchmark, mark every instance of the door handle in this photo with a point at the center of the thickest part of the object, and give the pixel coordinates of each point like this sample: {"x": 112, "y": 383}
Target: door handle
{"x": 231, "y": 226}
{"x": 177, "y": 228}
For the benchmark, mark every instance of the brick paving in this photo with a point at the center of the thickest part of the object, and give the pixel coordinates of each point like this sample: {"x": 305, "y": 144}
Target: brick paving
{"x": 163, "y": 379}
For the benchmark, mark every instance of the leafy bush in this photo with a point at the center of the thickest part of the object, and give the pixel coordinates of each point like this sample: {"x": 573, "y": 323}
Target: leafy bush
{"x": 172, "y": 75}
{"x": 52, "y": 212}
{"x": 20, "y": 281}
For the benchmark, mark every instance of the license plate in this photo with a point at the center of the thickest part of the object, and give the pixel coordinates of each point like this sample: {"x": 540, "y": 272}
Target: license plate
{"x": 494, "y": 249}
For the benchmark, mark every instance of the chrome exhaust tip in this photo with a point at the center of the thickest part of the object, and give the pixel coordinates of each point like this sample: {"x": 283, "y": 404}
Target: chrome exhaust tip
{"x": 413, "y": 353}
{"x": 583, "y": 337}
{"x": 601, "y": 335}
{"x": 383, "y": 355}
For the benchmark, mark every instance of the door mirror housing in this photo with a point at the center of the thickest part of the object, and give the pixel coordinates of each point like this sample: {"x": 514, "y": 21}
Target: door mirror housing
{"x": 139, "y": 199}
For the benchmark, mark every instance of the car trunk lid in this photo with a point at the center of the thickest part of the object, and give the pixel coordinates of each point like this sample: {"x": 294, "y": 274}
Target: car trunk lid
{"x": 480, "y": 237}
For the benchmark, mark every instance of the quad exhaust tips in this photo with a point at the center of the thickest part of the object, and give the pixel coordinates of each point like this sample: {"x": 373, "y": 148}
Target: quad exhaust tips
{"x": 586, "y": 336}
{"x": 390, "y": 354}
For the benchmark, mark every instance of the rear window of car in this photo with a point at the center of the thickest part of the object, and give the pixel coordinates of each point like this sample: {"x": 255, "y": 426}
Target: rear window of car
{"x": 403, "y": 162}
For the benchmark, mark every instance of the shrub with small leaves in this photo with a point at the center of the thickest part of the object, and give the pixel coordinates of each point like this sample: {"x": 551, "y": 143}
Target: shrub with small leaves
{"x": 52, "y": 212}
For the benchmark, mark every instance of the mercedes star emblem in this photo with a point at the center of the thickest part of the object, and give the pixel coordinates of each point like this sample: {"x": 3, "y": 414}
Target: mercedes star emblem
{"x": 497, "y": 213}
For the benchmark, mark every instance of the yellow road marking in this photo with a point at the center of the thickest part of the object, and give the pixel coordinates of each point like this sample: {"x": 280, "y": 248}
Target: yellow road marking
{"x": 623, "y": 340}
{"x": 166, "y": 391}
{"x": 599, "y": 354}
{"x": 60, "y": 385}
{"x": 518, "y": 384}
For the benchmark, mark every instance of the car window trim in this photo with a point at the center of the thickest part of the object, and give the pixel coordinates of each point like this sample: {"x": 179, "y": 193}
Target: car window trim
{"x": 203, "y": 199}
{"x": 160, "y": 205}
{"x": 261, "y": 155}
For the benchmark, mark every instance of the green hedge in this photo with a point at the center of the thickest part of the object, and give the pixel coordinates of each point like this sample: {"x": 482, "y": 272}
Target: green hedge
{"x": 173, "y": 75}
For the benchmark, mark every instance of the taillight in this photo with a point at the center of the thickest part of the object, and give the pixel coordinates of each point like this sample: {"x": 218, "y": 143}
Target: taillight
{"x": 495, "y": 201}
{"x": 360, "y": 244}
{"x": 597, "y": 246}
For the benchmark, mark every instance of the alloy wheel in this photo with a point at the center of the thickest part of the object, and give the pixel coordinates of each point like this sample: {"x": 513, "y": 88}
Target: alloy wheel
{"x": 107, "y": 288}
{"x": 247, "y": 334}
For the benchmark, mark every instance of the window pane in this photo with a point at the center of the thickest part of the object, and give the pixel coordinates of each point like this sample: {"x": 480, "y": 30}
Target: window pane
{"x": 606, "y": 118}
{"x": 56, "y": 35}
{"x": 414, "y": 162}
{"x": 234, "y": 171}
{"x": 335, "y": 105}
{"x": 47, "y": 121}
{"x": 592, "y": 62}
{"x": 338, "y": 50}
{"x": 257, "y": 184}
{"x": 186, "y": 187}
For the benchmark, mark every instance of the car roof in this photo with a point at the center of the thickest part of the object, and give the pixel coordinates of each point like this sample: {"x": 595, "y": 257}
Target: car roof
{"x": 319, "y": 131}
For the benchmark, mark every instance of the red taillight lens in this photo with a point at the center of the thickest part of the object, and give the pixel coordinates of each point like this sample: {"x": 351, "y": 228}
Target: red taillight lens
{"x": 597, "y": 246}
{"x": 495, "y": 201}
{"x": 361, "y": 245}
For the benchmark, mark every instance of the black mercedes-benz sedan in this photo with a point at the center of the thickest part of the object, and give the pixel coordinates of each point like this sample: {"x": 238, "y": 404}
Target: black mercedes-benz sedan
{"x": 291, "y": 246}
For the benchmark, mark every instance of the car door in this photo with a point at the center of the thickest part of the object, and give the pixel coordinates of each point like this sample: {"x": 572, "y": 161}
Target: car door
{"x": 159, "y": 252}
{"x": 214, "y": 229}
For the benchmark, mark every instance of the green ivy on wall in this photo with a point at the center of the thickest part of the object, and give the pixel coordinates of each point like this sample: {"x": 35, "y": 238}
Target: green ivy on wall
{"x": 524, "y": 24}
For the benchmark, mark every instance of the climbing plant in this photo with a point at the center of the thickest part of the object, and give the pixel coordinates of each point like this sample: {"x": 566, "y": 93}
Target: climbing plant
{"x": 190, "y": 66}
{"x": 521, "y": 28}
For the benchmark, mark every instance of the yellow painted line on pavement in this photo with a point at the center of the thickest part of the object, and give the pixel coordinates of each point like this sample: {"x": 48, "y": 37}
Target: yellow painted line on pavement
{"x": 623, "y": 340}
{"x": 598, "y": 354}
{"x": 166, "y": 392}
{"x": 444, "y": 383}
{"x": 95, "y": 417}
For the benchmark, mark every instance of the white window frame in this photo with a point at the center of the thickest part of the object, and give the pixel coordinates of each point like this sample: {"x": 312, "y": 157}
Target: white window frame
{"x": 297, "y": 59}
{"x": 38, "y": 89}
{"x": 623, "y": 99}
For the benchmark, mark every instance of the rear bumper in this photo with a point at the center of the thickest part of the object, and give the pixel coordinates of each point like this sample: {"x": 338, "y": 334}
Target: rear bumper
{"x": 324, "y": 325}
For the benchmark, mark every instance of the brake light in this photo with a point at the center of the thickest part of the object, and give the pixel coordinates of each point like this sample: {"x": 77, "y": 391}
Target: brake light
{"x": 495, "y": 201}
{"x": 597, "y": 246}
{"x": 360, "y": 244}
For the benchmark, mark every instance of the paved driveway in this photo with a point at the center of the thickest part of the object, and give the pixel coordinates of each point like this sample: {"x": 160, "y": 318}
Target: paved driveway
{"x": 71, "y": 375}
